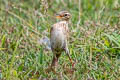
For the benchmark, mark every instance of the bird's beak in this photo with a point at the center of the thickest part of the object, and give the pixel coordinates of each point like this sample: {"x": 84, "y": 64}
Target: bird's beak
{"x": 58, "y": 16}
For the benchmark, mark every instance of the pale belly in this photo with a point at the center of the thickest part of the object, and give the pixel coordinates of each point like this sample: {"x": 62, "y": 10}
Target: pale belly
{"x": 58, "y": 40}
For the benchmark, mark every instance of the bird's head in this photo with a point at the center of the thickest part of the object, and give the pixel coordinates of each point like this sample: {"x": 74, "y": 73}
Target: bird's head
{"x": 63, "y": 15}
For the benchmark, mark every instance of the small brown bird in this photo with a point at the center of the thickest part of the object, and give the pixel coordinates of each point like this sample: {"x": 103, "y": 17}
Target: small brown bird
{"x": 59, "y": 35}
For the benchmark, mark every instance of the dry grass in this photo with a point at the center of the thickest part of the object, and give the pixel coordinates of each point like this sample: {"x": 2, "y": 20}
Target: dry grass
{"x": 94, "y": 42}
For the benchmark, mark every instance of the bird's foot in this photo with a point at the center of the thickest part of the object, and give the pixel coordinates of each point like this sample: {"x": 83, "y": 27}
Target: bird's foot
{"x": 51, "y": 69}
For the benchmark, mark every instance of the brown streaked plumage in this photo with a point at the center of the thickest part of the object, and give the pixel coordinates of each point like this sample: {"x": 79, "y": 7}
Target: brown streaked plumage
{"x": 59, "y": 35}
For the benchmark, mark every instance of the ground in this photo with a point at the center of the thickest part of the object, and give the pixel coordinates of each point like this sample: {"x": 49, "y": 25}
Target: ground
{"x": 94, "y": 42}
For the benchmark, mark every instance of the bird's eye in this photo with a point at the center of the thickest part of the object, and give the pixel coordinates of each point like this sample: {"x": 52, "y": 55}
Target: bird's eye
{"x": 65, "y": 15}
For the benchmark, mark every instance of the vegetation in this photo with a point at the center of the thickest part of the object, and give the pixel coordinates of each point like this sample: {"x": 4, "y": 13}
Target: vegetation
{"x": 94, "y": 39}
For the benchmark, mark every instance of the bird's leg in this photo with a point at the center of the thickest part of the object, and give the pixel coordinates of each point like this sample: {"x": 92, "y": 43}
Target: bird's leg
{"x": 67, "y": 52}
{"x": 55, "y": 61}
{"x": 53, "y": 64}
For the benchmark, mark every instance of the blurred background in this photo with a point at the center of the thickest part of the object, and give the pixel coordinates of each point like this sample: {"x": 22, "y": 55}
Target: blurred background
{"x": 94, "y": 39}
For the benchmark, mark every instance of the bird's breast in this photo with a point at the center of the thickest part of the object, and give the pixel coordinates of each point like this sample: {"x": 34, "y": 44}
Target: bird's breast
{"x": 58, "y": 38}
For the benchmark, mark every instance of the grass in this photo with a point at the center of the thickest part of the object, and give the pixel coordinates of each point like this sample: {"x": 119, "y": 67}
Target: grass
{"x": 94, "y": 39}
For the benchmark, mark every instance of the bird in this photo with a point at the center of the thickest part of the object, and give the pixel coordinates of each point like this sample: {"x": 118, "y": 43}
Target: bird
{"x": 59, "y": 34}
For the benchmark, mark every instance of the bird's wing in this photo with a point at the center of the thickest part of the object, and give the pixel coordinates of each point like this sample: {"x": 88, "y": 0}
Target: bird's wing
{"x": 52, "y": 29}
